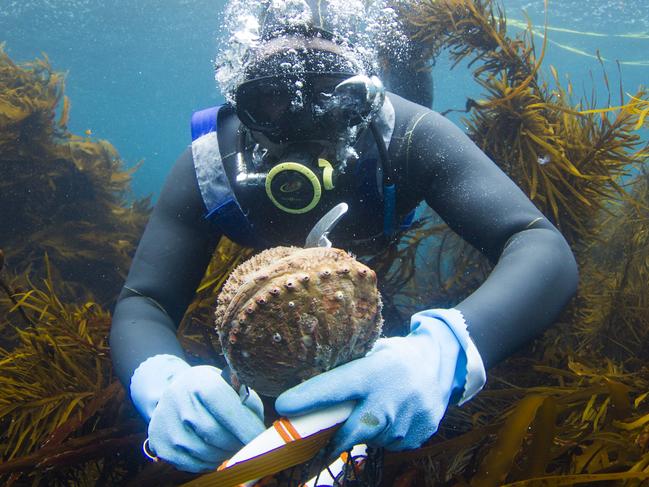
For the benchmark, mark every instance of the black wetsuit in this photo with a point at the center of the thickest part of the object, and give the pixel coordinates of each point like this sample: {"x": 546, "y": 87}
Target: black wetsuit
{"x": 534, "y": 276}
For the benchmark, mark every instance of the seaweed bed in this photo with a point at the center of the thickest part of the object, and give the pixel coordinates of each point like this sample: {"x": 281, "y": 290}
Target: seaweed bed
{"x": 572, "y": 408}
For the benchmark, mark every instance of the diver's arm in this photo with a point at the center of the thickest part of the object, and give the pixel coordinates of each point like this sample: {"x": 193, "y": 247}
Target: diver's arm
{"x": 170, "y": 394}
{"x": 401, "y": 389}
{"x": 535, "y": 272}
{"x": 169, "y": 263}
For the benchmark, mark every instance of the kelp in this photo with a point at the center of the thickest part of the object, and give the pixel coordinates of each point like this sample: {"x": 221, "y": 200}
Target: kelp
{"x": 60, "y": 406}
{"x": 583, "y": 423}
{"x": 65, "y": 418}
{"x": 568, "y": 161}
{"x": 570, "y": 409}
{"x": 574, "y": 50}
{"x": 637, "y": 106}
{"x": 68, "y": 231}
{"x": 60, "y": 193}
{"x": 613, "y": 306}
{"x": 58, "y": 354}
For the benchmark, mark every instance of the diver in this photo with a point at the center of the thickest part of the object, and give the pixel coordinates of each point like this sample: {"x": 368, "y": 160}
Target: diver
{"x": 308, "y": 128}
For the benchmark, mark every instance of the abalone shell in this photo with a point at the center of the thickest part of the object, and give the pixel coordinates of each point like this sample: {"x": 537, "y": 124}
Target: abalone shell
{"x": 289, "y": 313}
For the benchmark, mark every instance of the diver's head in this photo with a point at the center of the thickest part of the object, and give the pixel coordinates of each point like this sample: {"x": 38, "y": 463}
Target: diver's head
{"x": 305, "y": 91}
{"x": 305, "y": 86}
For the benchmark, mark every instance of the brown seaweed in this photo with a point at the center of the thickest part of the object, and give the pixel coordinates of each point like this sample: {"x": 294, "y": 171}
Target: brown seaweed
{"x": 68, "y": 230}
{"x": 56, "y": 385}
{"x": 572, "y": 408}
{"x": 568, "y": 159}
{"x": 60, "y": 193}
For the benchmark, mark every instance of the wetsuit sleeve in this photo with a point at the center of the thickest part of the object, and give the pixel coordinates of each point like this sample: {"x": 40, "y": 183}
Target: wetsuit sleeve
{"x": 169, "y": 263}
{"x": 535, "y": 272}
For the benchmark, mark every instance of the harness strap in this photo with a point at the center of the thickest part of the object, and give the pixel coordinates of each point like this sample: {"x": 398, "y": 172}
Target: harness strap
{"x": 204, "y": 122}
{"x": 218, "y": 197}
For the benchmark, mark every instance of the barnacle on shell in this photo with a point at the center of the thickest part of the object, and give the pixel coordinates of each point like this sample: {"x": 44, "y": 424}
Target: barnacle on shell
{"x": 296, "y": 313}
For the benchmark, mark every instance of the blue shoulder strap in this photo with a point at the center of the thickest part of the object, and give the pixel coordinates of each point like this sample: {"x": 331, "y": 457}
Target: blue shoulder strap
{"x": 204, "y": 122}
{"x": 218, "y": 197}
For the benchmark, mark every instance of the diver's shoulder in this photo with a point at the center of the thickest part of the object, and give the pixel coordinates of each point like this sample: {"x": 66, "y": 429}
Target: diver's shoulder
{"x": 406, "y": 110}
{"x": 186, "y": 158}
{"x": 182, "y": 171}
{"x": 409, "y": 115}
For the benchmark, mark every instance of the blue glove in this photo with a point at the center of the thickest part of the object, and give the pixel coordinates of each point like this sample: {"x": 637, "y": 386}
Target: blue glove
{"x": 196, "y": 420}
{"x": 402, "y": 387}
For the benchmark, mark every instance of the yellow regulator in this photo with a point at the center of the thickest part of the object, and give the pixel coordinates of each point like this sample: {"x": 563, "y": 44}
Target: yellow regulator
{"x": 295, "y": 188}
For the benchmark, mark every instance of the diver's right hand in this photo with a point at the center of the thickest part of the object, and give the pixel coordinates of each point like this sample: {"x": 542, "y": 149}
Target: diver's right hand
{"x": 196, "y": 419}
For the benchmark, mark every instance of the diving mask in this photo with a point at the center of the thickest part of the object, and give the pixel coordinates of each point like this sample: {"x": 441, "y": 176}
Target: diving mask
{"x": 308, "y": 106}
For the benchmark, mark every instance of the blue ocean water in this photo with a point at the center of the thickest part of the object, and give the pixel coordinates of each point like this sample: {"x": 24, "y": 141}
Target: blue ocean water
{"x": 137, "y": 70}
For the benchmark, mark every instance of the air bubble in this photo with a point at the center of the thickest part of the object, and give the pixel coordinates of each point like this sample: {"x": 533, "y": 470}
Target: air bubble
{"x": 364, "y": 27}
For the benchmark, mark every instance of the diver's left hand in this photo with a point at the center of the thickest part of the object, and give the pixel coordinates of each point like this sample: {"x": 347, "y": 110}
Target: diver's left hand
{"x": 402, "y": 388}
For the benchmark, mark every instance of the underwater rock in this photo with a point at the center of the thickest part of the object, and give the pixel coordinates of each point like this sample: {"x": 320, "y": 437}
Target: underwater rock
{"x": 288, "y": 314}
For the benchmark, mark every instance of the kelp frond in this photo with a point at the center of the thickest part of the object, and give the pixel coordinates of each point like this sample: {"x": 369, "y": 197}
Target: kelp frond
{"x": 637, "y": 106}
{"x": 570, "y": 166}
{"x": 62, "y": 413}
{"x": 62, "y": 194}
{"x": 58, "y": 366}
{"x": 584, "y": 423}
{"x": 568, "y": 160}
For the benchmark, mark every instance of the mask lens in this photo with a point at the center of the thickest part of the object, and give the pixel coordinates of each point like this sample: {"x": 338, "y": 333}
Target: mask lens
{"x": 288, "y": 107}
{"x": 323, "y": 87}
{"x": 261, "y": 103}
